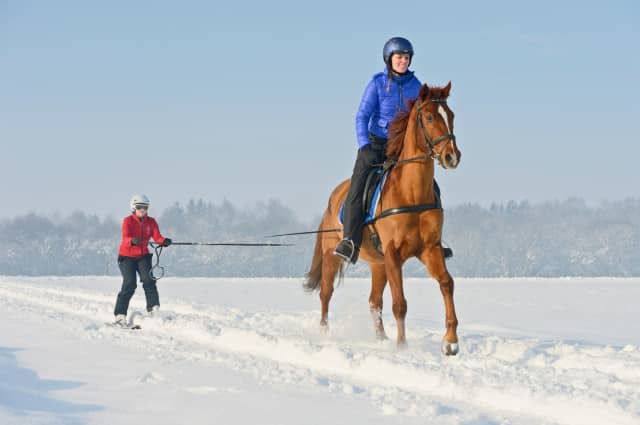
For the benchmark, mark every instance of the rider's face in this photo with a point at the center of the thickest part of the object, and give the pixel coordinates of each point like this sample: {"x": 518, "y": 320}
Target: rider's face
{"x": 400, "y": 62}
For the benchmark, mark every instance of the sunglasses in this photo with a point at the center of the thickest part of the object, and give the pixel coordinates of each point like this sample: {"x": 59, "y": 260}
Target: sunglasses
{"x": 142, "y": 207}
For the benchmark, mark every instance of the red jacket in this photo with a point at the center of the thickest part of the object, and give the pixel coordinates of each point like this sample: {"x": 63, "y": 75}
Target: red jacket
{"x": 145, "y": 229}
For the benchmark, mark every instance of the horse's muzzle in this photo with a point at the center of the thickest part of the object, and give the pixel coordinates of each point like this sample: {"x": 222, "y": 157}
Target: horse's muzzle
{"x": 450, "y": 160}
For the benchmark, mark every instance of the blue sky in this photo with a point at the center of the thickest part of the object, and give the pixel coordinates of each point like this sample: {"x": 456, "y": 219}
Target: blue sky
{"x": 251, "y": 100}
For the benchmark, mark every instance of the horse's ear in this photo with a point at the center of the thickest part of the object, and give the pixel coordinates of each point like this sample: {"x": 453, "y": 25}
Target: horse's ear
{"x": 447, "y": 89}
{"x": 424, "y": 91}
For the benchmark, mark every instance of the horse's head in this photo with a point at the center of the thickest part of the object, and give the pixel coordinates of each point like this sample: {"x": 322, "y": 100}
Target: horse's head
{"x": 434, "y": 132}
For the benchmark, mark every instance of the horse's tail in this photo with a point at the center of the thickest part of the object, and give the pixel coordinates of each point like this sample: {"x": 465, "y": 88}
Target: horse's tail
{"x": 314, "y": 275}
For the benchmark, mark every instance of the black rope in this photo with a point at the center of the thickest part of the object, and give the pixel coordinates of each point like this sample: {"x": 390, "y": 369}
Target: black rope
{"x": 312, "y": 232}
{"x": 157, "y": 271}
{"x": 230, "y": 244}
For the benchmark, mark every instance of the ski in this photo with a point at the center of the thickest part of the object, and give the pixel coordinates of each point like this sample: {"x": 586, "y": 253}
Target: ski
{"x": 119, "y": 326}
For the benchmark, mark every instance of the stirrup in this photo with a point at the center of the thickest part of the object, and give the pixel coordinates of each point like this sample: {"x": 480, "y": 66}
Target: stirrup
{"x": 353, "y": 257}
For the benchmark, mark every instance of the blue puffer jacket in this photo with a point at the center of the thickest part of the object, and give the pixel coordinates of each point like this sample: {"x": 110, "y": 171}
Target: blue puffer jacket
{"x": 378, "y": 106}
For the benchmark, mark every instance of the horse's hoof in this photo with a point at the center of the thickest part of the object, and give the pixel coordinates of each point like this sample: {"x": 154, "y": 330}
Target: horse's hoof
{"x": 450, "y": 348}
{"x": 324, "y": 328}
{"x": 381, "y": 336}
{"x": 402, "y": 345}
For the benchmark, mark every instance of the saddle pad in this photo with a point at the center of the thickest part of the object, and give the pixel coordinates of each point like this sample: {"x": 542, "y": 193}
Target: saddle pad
{"x": 370, "y": 212}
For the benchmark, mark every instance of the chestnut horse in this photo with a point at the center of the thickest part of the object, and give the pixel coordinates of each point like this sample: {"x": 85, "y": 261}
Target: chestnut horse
{"x": 416, "y": 139}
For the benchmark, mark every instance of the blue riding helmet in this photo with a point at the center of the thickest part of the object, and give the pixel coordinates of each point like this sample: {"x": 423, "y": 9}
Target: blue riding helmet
{"x": 396, "y": 45}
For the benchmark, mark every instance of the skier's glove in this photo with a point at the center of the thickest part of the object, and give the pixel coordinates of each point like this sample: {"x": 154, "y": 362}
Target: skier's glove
{"x": 135, "y": 241}
{"x": 166, "y": 242}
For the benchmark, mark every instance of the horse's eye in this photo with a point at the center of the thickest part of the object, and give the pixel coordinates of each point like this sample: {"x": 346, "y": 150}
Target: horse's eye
{"x": 429, "y": 118}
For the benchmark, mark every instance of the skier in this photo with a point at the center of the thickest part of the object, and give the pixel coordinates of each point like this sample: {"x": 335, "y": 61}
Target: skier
{"x": 134, "y": 256}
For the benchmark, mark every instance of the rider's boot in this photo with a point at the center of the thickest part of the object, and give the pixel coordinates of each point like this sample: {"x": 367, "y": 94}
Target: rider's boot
{"x": 347, "y": 250}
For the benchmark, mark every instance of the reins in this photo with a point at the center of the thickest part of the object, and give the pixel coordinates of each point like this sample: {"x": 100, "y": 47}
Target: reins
{"x": 430, "y": 143}
{"x": 387, "y": 165}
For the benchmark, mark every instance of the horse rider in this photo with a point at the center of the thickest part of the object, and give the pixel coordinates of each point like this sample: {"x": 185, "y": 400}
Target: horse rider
{"x": 386, "y": 94}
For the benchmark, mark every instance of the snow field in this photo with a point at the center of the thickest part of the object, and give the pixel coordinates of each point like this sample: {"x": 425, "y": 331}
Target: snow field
{"x": 500, "y": 376}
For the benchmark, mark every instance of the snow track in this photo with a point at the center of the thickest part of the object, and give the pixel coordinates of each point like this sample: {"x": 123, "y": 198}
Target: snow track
{"x": 495, "y": 379}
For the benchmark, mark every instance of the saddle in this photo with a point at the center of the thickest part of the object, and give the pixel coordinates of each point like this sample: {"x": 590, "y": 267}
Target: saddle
{"x": 371, "y": 195}
{"x": 376, "y": 179}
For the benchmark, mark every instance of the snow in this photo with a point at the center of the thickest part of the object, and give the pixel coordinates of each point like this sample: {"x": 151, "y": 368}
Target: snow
{"x": 249, "y": 351}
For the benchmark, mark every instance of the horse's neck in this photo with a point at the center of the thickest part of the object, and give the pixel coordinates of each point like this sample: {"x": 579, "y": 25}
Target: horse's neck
{"x": 415, "y": 178}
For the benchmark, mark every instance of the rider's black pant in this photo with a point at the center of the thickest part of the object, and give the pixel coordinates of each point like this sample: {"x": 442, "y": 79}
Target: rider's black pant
{"x": 368, "y": 156}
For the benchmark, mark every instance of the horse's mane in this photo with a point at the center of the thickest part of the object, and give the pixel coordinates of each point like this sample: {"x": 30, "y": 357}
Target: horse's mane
{"x": 397, "y": 129}
{"x": 398, "y": 126}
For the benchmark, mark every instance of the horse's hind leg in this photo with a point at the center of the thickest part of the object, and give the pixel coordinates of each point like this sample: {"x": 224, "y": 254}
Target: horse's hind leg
{"x": 434, "y": 260}
{"x": 330, "y": 268}
{"x": 378, "y": 283}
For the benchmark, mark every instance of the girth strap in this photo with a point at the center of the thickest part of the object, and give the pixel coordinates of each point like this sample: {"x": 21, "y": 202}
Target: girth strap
{"x": 437, "y": 205}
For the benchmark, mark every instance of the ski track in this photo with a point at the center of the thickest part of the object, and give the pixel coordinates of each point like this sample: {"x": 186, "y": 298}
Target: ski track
{"x": 493, "y": 380}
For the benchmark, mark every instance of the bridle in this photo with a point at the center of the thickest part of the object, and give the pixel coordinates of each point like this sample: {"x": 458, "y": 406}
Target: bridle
{"x": 433, "y": 143}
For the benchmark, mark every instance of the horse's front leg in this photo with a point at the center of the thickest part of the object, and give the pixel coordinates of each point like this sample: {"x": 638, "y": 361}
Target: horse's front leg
{"x": 378, "y": 283}
{"x": 433, "y": 258}
{"x": 393, "y": 264}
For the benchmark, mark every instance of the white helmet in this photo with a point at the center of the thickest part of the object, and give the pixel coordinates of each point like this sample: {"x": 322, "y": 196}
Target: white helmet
{"x": 138, "y": 200}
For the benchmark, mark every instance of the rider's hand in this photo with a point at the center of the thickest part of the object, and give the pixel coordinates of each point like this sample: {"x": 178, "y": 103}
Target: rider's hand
{"x": 166, "y": 242}
{"x": 371, "y": 156}
{"x": 135, "y": 241}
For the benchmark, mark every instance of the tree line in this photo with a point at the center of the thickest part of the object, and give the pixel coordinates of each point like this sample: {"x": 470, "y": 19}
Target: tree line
{"x": 558, "y": 238}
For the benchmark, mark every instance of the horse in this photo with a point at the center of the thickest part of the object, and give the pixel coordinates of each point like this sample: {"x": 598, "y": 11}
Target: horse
{"x": 417, "y": 138}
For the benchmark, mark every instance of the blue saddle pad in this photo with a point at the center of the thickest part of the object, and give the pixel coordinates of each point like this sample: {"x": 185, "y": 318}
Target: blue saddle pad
{"x": 375, "y": 199}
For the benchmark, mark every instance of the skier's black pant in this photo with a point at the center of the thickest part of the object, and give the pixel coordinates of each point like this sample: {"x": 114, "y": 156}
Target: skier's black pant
{"x": 368, "y": 156}
{"x": 128, "y": 267}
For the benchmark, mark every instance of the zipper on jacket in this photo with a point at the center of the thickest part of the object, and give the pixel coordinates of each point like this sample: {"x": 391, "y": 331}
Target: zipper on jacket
{"x": 141, "y": 221}
{"x": 401, "y": 106}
